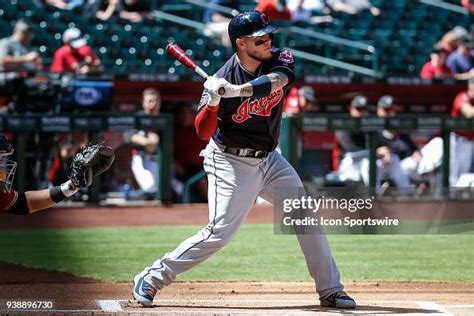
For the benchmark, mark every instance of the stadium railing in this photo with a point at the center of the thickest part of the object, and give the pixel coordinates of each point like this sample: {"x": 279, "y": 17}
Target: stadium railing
{"x": 292, "y": 126}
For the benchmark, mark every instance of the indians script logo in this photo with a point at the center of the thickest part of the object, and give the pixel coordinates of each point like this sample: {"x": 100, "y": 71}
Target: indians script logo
{"x": 262, "y": 107}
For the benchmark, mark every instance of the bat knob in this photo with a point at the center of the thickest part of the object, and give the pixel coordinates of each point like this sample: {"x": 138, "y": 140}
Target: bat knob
{"x": 221, "y": 91}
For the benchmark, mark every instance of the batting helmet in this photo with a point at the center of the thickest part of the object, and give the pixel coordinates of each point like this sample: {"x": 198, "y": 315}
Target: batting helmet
{"x": 7, "y": 167}
{"x": 249, "y": 24}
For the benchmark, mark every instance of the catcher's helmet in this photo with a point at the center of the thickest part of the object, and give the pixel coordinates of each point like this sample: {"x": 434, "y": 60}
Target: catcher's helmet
{"x": 7, "y": 167}
{"x": 249, "y": 24}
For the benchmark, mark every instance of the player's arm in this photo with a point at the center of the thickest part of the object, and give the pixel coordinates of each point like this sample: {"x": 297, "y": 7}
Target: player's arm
{"x": 261, "y": 86}
{"x": 258, "y": 88}
{"x": 206, "y": 119}
{"x": 41, "y": 199}
{"x": 467, "y": 110}
{"x": 33, "y": 201}
{"x": 150, "y": 139}
{"x": 91, "y": 161}
{"x": 14, "y": 61}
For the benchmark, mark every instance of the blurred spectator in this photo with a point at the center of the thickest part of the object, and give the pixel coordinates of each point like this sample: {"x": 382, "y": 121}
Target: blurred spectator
{"x": 450, "y": 41}
{"x": 354, "y": 6}
{"x": 15, "y": 54}
{"x": 395, "y": 146}
{"x": 436, "y": 68}
{"x": 145, "y": 143}
{"x": 398, "y": 142}
{"x": 461, "y": 61}
{"x": 354, "y": 165}
{"x": 65, "y": 4}
{"x": 350, "y": 148}
{"x": 468, "y": 5}
{"x": 106, "y": 9}
{"x": 187, "y": 162}
{"x": 211, "y": 15}
{"x": 461, "y": 149}
{"x": 275, "y": 10}
{"x": 75, "y": 55}
{"x": 90, "y": 8}
{"x": 300, "y": 100}
{"x": 134, "y": 10}
{"x": 217, "y": 22}
{"x": 307, "y": 11}
{"x": 462, "y": 143}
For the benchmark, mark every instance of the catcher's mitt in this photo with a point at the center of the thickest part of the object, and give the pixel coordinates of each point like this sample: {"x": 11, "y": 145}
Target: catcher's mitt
{"x": 91, "y": 161}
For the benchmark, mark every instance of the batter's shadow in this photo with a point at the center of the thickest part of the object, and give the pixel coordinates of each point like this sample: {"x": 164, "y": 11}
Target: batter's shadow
{"x": 310, "y": 308}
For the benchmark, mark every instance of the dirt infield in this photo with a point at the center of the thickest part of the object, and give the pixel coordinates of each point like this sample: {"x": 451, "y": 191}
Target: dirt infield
{"x": 87, "y": 296}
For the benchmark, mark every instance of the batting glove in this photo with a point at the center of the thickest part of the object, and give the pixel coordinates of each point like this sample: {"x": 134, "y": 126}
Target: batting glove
{"x": 212, "y": 99}
{"x": 231, "y": 90}
{"x": 213, "y": 84}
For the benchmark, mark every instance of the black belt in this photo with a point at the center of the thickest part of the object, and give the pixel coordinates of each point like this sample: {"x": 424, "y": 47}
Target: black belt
{"x": 246, "y": 152}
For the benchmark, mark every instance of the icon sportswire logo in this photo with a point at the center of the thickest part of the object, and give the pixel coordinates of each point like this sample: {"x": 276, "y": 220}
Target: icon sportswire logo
{"x": 262, "y": 107}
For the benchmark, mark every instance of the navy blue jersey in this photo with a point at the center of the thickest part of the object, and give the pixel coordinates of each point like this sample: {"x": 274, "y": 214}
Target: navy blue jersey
{"x": 251, "y": 122}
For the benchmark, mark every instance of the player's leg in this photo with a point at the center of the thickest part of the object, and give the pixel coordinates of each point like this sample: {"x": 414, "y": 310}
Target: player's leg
{"x": 315, "y": 247}
{"x": 396, "y": 173}
{"x": 234, "y": 183}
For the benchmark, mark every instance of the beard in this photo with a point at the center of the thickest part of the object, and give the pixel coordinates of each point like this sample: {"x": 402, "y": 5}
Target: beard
{"x": 261, "y": 56}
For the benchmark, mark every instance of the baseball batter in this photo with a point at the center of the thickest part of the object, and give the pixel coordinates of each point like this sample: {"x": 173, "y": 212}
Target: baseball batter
{"x": 91, "y": 161}
{"x": 241, "y": 161}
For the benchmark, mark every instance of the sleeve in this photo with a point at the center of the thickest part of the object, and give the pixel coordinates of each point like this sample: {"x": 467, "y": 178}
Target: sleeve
{"x": 460, "y": 99}
{"x": 451, "y": 63}
{"x": 284, "y": 62}
{"x": 426, "y": 72}
{"x": 57, "y": 65}
{"x": 88, "y": 52}
{"x": 7, "y": 200}
{"x": 346, "y": 142}
{"x": 207, "y": 118}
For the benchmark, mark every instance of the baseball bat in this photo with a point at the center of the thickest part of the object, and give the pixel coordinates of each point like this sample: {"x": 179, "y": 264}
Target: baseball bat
{"x": 178, "y": 53}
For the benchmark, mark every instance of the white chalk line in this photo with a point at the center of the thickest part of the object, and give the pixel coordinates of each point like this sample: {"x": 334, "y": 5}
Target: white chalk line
{"x": 115, "y": 306}
{"x": 110, "y": 305}
{"x": 434, "y": 306}
{"x": 459, "y": 306}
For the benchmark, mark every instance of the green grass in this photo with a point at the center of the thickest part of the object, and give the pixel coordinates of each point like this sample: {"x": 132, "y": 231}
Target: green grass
{"x": 256, "y": 254}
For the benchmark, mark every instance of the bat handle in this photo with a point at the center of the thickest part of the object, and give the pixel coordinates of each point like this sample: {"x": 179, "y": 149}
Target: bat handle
{"x": 204, "y": 74}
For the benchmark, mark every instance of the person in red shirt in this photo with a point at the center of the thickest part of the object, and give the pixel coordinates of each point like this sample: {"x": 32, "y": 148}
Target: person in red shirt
{"x": 462, "y": 143}
{"x": 468, "y": 5}
{"x": 436, "y": 68}
{"x": 75, "y": 55}
{"x": 20, "y": 203}
{"x": 275, "y": 10}
{"x": 300, "y": 100}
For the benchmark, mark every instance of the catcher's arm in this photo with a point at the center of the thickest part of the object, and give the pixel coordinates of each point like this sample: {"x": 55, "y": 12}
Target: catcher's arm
{"x": 91, "y": 161}
{"x": 33, "y": 201}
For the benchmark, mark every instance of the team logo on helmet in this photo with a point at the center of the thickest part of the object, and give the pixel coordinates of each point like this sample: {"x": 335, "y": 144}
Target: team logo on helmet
{"x": 261, "y": 107}
{"x": 264, "y": 19}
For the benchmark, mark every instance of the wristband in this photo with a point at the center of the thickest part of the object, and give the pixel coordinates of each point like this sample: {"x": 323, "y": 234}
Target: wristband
{"x": 61, "y": 192}
{"x": 262, "y": 86}
{"x": 68, "y": 188}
